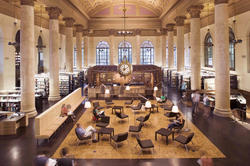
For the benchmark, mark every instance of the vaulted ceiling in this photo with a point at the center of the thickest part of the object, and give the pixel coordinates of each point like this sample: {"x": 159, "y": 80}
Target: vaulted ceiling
{"x": 113, "y": 8}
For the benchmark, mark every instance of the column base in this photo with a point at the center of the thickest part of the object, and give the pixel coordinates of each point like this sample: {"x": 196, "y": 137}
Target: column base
{"x": 222, "y": 112}
{"x": 54, "y": 98}
{"x": 31, "y": 113}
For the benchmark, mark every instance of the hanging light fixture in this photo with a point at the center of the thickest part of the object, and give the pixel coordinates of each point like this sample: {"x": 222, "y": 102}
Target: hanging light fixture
{"x": 124, "y": 29}
{"x": 41, "y": 13}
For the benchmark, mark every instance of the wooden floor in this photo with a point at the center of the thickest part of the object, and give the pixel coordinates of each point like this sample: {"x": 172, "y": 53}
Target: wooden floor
{"x": 104, "y": 150}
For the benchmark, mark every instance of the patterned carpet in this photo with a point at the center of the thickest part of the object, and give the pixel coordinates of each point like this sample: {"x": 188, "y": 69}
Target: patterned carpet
{"x": 200, "y": 146}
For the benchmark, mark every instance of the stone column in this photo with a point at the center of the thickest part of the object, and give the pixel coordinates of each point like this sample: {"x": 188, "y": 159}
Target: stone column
{"x": 170, "y": 29}
{"x": 86, "y": 43}
{"x": 79, "y": 29}
{"x": 180, "y": 42}
{"x": 112, "y": 46}
{"x": 69, "y": 21}
{"x": 138, "y": 46}
{"x": 163, "y": 46}
{"x": 27, "y": 49}
{"x": 54, "y": 13}
{"x": 222, "y": 72}
{"x": 195, "y": 11}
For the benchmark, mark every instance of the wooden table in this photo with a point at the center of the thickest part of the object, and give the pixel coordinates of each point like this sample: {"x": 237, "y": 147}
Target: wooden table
{"x": 10, "y": 125}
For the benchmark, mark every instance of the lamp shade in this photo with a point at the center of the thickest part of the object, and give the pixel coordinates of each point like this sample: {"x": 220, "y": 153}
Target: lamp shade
{"x": 155, "y": 88}
{"x": 175, "y": 109}
{"x": 87, "y": 104}
{"x": 107, "y": 91}
{"x": 148, "y": 104}
{"x": 127, "y": 87}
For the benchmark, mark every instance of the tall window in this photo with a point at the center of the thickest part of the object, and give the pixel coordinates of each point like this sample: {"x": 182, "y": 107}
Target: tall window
{"x": 74, "y": 58}
{"x": 187, "y": 57}
{"x": 147, "y": 53}
{"x": 125, "y": 49}
{"x": 82, "y": 53}
{"x": 232, "y": 49}
{"x": 40, "y": 47}
{"x": 208, "y": 50}
{"x": 102, "y": 53}
{"x": 175, "y": 56}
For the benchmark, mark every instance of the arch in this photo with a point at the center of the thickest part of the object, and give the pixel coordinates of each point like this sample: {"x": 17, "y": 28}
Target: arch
{"x": 147, "y": 53}
{"x": 231, "y": 49}
{"x": 124, "y": 50}
{"x": 102, "y": 53}
{"x": 40, "y": 47}
{"x": 208, "y": 50}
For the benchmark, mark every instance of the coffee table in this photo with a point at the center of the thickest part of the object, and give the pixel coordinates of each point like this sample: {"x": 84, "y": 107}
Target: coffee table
{"x": 109, "y": 131}
{"x": 164, "y": 132}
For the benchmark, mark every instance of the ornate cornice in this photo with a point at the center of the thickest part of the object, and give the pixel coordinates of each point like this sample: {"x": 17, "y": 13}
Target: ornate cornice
{"x": 54, "y": 12}
{"x": 112, "y": 32}
{"x": 216, "y": 2}
{"x": 85, "y": 32}
{"x": 79, "y": 27}
{"x": 27, "y": 2}
{"x": 69, "y": 21}
{"x": 180, "y": 20}
{"x": 163, "y": 31}
{"x": 195, "y": 11}
{"x": 170, "y": 27}
{"x": 137, "y": 32}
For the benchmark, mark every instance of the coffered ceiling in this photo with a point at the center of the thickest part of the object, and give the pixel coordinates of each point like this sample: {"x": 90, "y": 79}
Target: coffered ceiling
{"x": 113, "y": 8}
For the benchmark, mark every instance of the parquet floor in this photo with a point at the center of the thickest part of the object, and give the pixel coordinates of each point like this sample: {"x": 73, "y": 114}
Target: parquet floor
{"x": 104, "y": 150}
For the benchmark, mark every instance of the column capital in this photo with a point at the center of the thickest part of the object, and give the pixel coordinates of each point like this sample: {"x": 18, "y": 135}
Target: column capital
{"x": 137, "y": 32}
{"x": 170, "y": 27}
{"x": 69, "y": 21}
{"x": 54, "y": 12}
{"x": 27, "y": 2}
{"x": 217, "y": 2}
{"x": 79, "y": 27}
{"x": 195, "y": 11}
{"x": 180, "y": 20}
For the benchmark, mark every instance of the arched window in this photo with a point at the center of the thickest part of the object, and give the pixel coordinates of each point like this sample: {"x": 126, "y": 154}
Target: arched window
{"x": 102, "y": 53}
{"x": 208, "y": 50}
{"x": 124, "y": 49}
{"x": 40, "y": 47}
{"x": 147, "y": 53}
{"x": 231, "y": 49}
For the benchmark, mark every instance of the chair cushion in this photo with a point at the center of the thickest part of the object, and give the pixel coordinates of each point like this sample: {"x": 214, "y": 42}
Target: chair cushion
{"x": 147, "y": 143}
{"x": 141, "y": 118}
{"x": 182, "y": 139}
{"x": 164, "y": 132}
{"x": 115, "y": 137}
{"x": 124, "y": 116}
{"x": 102, "y": 124}
{"x": 133, "y": 128}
